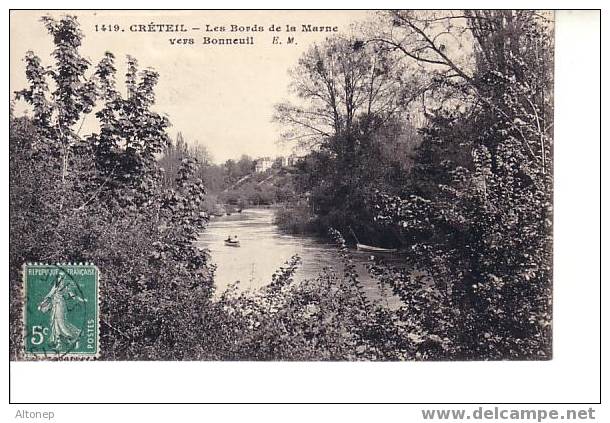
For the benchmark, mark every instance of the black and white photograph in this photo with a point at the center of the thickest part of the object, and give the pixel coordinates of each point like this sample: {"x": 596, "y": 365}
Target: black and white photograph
{"x": 301, "y": 190}
{"x": 301, "y": 186}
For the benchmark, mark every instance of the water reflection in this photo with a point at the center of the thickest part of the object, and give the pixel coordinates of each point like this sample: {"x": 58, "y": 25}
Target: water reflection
{"x": 264, "y": 249}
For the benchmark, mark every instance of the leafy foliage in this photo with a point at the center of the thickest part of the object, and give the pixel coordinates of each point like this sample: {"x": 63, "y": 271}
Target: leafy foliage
{"x": 479, "y": 208}
{"x": 100, "y": 200}
{"x": 468, "y": 197}
{"x": 325, "y": 318}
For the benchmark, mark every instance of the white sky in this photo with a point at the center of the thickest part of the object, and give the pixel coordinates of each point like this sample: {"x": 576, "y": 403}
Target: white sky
{"x": 219, "y": 96}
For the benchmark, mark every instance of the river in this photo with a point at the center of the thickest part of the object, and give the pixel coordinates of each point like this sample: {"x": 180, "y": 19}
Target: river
{"x": 264, "y": 249}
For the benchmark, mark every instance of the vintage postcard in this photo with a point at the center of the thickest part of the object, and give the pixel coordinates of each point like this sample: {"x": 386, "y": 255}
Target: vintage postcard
{"x": 368, "y": 185}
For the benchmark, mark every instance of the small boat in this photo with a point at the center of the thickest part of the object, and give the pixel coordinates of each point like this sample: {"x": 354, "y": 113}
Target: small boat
{"x": 371, "y": 249}
{"x": 231, "y": 243}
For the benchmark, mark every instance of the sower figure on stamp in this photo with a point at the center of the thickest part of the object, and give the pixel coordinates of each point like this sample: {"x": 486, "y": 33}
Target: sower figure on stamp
{"x": 55, "y": 301}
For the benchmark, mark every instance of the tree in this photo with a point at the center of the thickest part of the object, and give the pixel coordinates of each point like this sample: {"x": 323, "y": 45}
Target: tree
{"x": 479, "y": 208}
{"x": 339, "y": 85}
{"x": 466, "y": 52}
{"x": 351, "y": 96}
{"x": 57, "y": 112}
{"x": 100, "y": 199}
{"x": 245, "y": 165}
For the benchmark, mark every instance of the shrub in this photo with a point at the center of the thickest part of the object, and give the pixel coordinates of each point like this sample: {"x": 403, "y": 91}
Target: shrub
{"x": 296, "y": 219}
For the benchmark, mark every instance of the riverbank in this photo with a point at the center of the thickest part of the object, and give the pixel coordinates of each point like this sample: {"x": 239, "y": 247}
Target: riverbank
{"x": 297, "y": 220}
{"x": 265, "y": 248}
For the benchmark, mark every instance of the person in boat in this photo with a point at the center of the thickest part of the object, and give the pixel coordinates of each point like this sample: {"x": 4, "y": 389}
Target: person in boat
{"x": 232, "y": 238}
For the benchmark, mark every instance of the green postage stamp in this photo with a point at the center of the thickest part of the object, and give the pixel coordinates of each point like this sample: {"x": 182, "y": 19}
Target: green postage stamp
{"x": 61, "y": 310}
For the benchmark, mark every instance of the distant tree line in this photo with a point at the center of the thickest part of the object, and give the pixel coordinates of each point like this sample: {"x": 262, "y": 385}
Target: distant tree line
{"x": 428, "y": 130}
{"x": 232, "y": 183}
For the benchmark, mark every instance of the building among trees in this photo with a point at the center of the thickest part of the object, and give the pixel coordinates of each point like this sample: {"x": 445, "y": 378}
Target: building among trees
{"x": 263, "y": 164}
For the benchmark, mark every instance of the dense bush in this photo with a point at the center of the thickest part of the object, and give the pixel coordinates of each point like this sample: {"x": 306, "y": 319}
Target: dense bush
{"x": 297, "y": 218}
{"x": 478, "y": 208}
{"x": 473, "y": 205}
{"x": 101, "y": 200}
{"x": 325, "y": 318}
{"x": 106, "y": 200}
